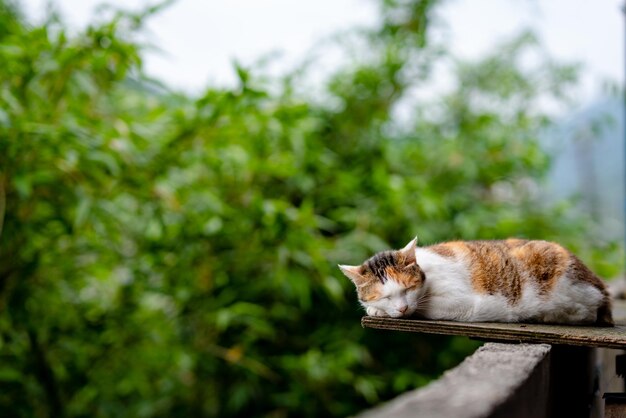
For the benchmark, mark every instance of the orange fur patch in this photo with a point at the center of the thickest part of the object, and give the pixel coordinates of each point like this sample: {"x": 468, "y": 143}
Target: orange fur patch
{"x": 404, "y": 278}
{"x": 503, "y": 266}
{"x": 493, "y": 271}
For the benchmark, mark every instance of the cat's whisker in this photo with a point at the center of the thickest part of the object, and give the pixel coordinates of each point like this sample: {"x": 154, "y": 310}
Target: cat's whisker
{"x": 424, "y": 298}
{"x": 422, "y": 303}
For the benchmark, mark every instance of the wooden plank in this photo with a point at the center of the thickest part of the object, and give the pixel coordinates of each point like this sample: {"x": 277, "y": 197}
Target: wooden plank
{"x": 528, "y": 333}
{"x": 584, "y": 336}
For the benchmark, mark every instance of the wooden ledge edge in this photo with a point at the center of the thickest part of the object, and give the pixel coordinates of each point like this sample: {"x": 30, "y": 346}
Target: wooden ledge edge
{"x": 513, "y": 332}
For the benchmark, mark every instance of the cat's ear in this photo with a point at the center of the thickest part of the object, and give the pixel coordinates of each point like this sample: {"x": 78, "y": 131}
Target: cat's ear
{"x": 353, "y": 273}
{"x": 408, "y": 252}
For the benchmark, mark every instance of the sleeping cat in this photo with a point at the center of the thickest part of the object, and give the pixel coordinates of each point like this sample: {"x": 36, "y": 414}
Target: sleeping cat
{"x": 482, "y": 281}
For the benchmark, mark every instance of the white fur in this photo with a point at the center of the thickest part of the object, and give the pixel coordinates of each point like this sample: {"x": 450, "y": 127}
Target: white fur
{"x": 447, "y": 294}
{"x": 396, "y": 301}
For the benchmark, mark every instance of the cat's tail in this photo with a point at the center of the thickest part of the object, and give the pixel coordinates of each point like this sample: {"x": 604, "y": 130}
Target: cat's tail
{"x": 604, "y": 317}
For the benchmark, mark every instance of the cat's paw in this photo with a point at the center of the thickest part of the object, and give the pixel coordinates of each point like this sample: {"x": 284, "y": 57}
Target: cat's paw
{"x": 374, "y": 311}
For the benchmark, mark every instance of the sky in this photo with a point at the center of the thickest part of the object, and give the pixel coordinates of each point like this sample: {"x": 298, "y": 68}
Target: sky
{"x": 198, "y": 40}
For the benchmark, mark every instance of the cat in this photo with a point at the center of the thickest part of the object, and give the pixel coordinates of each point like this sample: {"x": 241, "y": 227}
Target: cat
{"x": 513, "y": 280}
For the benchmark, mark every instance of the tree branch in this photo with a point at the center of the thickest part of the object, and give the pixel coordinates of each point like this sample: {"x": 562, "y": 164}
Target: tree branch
{"x": 46, "y": 377}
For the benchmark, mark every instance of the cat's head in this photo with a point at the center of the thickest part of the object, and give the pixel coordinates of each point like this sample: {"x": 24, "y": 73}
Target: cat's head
{"x": 390, "y": 283}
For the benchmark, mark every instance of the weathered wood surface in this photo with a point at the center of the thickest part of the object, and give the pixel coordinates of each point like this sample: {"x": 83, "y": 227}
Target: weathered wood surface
{"x": 566, "y": 380}
{"x": 584, "y": 336}
{"x": 497, "y": 381}
{"x": 528, "y": 333}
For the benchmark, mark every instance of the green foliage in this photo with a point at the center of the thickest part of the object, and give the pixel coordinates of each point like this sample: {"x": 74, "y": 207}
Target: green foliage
{"x": 164, "y": 255}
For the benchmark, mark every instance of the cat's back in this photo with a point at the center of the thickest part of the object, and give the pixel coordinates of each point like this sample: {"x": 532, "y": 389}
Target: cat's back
{"x": 526, "y": 272}
{"x": 502, "y": 266}
{"x": 541, "y": 262}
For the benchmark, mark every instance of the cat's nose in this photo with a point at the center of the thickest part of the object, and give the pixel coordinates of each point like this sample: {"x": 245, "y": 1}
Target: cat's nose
{"x": 403, "y": 309}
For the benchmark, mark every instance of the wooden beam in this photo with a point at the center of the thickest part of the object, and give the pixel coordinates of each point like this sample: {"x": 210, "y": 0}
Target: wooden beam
{"x": 528, "y": 333}
{"x": 497, "y": 381}
{"x": 574, "y": 381}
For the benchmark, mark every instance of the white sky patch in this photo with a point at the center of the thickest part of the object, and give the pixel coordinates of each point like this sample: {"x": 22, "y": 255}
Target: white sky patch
{"x": 200, "y": 39}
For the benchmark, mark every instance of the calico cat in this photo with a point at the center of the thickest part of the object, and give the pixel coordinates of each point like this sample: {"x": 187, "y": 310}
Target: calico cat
{"x": 482, "y": 281}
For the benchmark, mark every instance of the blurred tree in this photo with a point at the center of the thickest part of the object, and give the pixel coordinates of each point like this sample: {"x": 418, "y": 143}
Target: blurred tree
{"x": 165, "y": 255}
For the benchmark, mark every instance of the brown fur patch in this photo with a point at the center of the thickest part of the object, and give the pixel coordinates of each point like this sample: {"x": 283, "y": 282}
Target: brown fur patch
{"x": 370, "y": 291}
{"x": 501, "y": 267}
{"x": 577, "y": 270}
{"x": 515, "y": 242}
{"x": 444, "y": 250}
{"x": 493, "y": 271}
{"x": 458, "y": 247}
{"x": 545, "y": 262}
